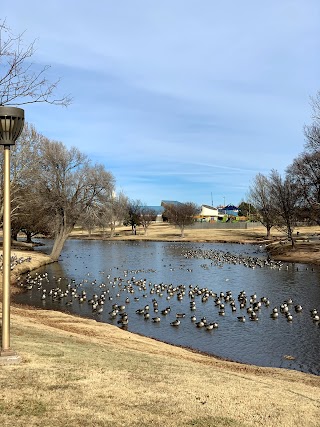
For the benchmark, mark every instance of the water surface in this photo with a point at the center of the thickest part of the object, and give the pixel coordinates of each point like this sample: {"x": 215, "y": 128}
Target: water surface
{"x": 164, "y": 272}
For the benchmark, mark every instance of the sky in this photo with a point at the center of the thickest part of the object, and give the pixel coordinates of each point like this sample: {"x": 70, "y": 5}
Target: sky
{"x": 179, "y": 99}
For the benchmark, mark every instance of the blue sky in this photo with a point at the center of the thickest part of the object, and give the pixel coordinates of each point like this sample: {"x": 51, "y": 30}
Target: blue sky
{"x": 179, "y": 99}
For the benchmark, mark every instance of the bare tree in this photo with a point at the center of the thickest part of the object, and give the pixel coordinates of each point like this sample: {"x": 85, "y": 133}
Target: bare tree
{"x": 147, "y": 216}
{"x": 312, "y": 131}
{"x": 305, "y": 173}
{"x": 90, "y": 218}
{"x": 134, "y": 214}
{"x": 181, "y": 214}
{"x": 24, "y": 167}
{"x": 20, "y": 81}
{"x": 284, "y": 196}
{"x": 260, "y": 198}
{"x": 30, "y": 217}
{"x": 114, "y": 212}
{"x": 67, "y": 186}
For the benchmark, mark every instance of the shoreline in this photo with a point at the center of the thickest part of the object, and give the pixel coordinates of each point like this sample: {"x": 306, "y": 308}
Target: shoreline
{"x": 307, "y": 243}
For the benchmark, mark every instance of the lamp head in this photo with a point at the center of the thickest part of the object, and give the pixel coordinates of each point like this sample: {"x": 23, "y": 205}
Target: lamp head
{"x": 11, "y": 124}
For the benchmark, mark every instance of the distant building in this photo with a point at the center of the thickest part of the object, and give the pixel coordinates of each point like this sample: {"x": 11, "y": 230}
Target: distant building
{"x": 208, "y": 213}
{"x": 229, "y": 210}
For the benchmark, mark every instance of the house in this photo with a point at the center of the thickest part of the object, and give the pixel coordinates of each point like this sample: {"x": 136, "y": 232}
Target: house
{"x": 208, "y": 213}
{"x": 229, "y": 210}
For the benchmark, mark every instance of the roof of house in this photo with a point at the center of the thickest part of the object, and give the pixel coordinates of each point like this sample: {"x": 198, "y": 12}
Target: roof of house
{"x": 209, "y": 207}
{"x": 230, "y": 208}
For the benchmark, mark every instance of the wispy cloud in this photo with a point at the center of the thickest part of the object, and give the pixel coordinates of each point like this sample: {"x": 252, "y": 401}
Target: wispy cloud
{"x": 179, "y": 100}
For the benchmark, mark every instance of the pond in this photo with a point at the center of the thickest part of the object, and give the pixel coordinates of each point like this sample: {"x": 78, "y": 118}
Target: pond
{"x": 155, "y": 289}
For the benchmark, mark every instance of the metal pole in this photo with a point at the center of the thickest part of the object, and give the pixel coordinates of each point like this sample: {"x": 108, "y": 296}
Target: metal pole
{"x": 11, "y": 125}
{"x": 6, "y": 350}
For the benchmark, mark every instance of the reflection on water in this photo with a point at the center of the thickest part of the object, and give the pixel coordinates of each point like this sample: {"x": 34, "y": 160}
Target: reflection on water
{"x": 163, "y": 275}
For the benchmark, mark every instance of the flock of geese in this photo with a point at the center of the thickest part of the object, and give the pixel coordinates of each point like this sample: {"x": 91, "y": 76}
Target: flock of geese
{"x": 118, "y": 293}
{"x": 14, "y": 260}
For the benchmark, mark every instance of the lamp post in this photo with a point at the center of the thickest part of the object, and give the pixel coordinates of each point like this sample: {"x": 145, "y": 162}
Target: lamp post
{"x": 11, "y": 125}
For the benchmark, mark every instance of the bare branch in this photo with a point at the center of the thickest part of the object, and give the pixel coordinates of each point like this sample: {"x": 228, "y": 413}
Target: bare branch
{"x": 20, "y": 82}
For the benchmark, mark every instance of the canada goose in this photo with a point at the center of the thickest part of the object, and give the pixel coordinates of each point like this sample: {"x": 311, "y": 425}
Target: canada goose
{"x": 209, "y": 326}
{"x": 289, "y": 317}
{"x": 123, "y": 322}
{"x": 284, "y": 308}
{"x": 253, "y": 316}
{"x": 200, "y": 324}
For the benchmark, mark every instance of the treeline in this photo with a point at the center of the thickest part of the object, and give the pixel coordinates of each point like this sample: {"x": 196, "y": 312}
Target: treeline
{"x": 53, "y": 188}
{"x": 285, "y": 201}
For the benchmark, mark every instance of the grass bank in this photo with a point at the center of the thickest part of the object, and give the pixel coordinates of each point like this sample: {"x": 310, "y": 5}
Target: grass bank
{"x": 77, "y": 372}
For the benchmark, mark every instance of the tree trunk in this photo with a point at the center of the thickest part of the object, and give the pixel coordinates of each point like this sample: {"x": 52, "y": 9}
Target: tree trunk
{"x": 268, "y": 232}
{"x": 182, "y": 231}
{"x": 59, "y": 241}
{"x": 29, "y": 237}
{"x": 112, "y": 229}
{"x": 14, "y": 235}
{"x": 290, "y": 235}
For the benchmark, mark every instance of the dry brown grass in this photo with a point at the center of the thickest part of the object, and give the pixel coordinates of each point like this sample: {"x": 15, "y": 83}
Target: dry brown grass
{"x": 168, "y": 232}
{"x": 77, "y": 372}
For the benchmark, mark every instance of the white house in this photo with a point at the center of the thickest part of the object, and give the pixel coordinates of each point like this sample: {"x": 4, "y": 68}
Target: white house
{"x": 208, "y": 213}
